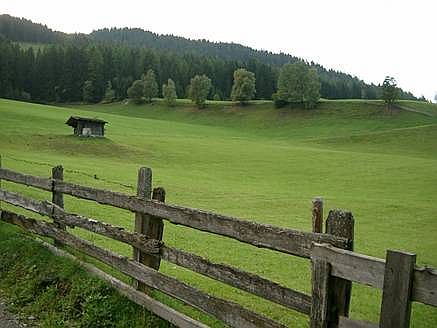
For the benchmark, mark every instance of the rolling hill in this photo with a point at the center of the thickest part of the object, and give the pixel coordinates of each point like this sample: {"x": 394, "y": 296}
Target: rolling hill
{"x": 255, "y": 162}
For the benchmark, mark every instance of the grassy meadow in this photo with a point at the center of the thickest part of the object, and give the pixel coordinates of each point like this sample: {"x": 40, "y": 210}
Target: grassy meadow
{"x": 255, "y": 162}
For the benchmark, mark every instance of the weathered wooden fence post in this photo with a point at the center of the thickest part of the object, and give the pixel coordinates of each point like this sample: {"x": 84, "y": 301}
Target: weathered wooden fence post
{"x": 317, "y": 214}
{"x": 319, "y": 297}
{"x": 396, "y": 295}
{"x": 341, "y": 224}
{"x": 58, "y": 197}
{"x": 146, "y": 224}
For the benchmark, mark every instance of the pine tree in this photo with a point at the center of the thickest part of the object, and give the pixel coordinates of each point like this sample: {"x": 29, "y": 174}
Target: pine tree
{"x": 88, "y": 91}
{"x": 109, "y": 93}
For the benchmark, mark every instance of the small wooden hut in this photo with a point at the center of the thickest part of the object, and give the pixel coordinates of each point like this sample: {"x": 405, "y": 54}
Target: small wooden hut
{"x": 87, "y": 127}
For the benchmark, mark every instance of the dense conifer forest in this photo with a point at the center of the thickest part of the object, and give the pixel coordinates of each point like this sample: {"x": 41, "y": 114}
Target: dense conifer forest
{"x": 39, "y": 64}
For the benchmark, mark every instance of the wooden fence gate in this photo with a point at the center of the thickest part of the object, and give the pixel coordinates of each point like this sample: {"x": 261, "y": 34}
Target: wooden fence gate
{"x": 334, "y": 264}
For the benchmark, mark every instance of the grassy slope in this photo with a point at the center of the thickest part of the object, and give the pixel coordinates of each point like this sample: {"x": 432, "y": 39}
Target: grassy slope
{"x": 58, "y": 292}
{"x": 255, "y": 162}
{"x": 421, "y": 106}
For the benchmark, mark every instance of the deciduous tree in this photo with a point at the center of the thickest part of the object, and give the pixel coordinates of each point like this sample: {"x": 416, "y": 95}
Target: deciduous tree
{"x": 390, "y": 92}
{"x": 297, "y": 83}
{"x": 136, "y": 91}
{"x": 243, "y": 89}
{"x": 169, "y": 92}
{"x": 198, "y": 89}
{"x": 150, "y": 85}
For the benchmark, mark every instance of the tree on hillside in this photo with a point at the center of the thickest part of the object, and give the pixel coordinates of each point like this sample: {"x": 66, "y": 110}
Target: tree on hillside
{"x": 95, "y": 72}
{"x": 109, "y": 93}
{"x": 297, "y": 83}
{"x": 312, "y": 93}
{"x": 243, "y": 89}
{"x": 198, "y": 89}
{"x": 136, "y": 91}
{"x": 88, "y": 91}
{"x": 150, "y": 85}
{"x": 390, "y": 92}
{"x": 169, "y": 92}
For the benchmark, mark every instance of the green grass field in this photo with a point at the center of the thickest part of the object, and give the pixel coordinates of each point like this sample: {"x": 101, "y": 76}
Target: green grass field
{"x": 255, "y": 162}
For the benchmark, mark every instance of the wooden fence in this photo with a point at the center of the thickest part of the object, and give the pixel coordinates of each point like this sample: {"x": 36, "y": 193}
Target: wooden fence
{"x": 334, "y": 264}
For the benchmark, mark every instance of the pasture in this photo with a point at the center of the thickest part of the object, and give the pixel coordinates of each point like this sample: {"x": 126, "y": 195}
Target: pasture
{"x": 255, "y": 162}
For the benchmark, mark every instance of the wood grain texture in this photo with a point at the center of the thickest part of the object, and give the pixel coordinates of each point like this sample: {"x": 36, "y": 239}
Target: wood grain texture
{"x": 144, "y": 191}
{"x": 425, "y": 286}
{"x": 317, "y": 215}
{"x": 28, "y": 180}
{"x": 320, "y": 293}
{"x": 396, "y": 295}
{"x": 46, "y": 208}
{"x": 246, "y": 281}
{"x": 58, "y": 197}
{"x": 352, "y": 266}
{"x": 341, "y": 224}
{"x": 237, "y": 278}
{"x": 158, "y": 308}
{"x": 231, "y": 313}
{"x": 261, "y": 235}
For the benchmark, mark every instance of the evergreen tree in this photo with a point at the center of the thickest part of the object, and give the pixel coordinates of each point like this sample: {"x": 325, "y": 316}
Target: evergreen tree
{"x": 243, "y": 89}
{"x": 109, "y": 93}
{"x": 96, "y": 73}
{"x": 169, "y": 92}
{"x": 88, "y": 91}
{"x": 198, "y": 89}
{"x": 136, "y": 91}
{"x": 150, "y": 85}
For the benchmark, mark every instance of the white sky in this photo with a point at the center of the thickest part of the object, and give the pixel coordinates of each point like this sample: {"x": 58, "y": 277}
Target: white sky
{"x": 370, "y": 39}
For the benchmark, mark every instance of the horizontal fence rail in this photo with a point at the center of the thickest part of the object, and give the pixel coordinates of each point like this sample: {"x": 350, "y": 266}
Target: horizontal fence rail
{"x": 227, "y": 311}
{"x": 235, "y": 277}
{"x": 370, "y": 271}
{"x": 334, "y": 265}
{"x": 261, "y": 235}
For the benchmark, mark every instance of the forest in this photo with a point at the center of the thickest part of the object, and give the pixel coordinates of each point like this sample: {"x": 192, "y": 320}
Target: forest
{"x": 39, "y": 64}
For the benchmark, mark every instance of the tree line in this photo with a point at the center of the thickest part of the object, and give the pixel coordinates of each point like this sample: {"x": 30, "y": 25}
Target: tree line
{"x": 104, "y": 64}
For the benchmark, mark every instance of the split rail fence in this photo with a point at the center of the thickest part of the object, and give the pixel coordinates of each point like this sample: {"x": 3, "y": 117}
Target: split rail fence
{"x": 334, "y": 264}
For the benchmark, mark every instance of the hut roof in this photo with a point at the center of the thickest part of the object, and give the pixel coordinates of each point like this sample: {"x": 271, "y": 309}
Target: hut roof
{"x": 72, "y": 121}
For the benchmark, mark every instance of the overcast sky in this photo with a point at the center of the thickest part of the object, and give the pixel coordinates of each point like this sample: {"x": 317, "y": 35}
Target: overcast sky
{"x": 370, "y": 39}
